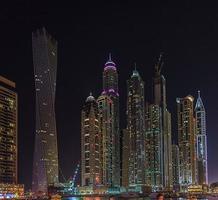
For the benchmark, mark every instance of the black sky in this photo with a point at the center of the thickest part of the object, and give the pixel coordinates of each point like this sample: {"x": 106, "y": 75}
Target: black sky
{"x": 186, "y": 32}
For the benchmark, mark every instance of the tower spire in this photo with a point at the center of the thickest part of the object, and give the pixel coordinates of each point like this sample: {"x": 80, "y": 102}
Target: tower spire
{"x": 109, "y": 57}
{"x": 135, "y": 66}
{"x": 199, "y": 93}
{"x": 159, "y": 65}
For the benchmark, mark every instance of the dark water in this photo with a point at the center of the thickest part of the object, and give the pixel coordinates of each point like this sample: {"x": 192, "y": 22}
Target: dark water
{"x": 116, "y": 198}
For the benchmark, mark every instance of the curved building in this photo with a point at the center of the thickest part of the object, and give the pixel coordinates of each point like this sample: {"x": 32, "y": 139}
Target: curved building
{"x": 45, "y": 166}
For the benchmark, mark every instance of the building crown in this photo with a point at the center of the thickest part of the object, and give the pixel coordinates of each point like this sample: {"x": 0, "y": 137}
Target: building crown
{"x": 199, "y": 103}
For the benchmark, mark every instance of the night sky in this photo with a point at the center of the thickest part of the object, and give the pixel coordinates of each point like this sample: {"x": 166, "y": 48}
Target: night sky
{"x": 186, "y": 32}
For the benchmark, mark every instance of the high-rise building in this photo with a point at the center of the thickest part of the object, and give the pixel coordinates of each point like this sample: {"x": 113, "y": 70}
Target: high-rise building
{"x": 200, "y": 116}
{"x": 125, "y": 158}
{"x": 160, "y": 100}
{"x": 8, "y": 131}
{"x": 186, "y": 140}
{"x": 45, "y": 166}
{"x": 110, "y": 88}
{"x": 175, "y": 162}
{"x": 136, "y": 129}
{"x": 106, "y": 124}
{"x": 153, "y": 147}
{"x": 91, "y": 174}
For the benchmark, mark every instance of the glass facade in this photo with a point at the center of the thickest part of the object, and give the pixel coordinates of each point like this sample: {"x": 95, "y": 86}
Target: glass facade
{"x": 160, "y": 100}
{"x": 45, "y": 166}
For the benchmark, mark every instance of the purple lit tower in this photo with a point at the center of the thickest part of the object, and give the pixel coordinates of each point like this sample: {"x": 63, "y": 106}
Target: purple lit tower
{"x": 110, "y": 88}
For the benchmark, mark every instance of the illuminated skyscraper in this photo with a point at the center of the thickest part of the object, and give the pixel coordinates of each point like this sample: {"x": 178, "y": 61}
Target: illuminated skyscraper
{"x": 200, "y": 116}
{"x": 186, "y": 140}
{"x": 125, "y": 158}
{"x": 90, "y": 144}
{"x": 45, "y": 166}
{"x": 110, "y": 88}
{"x": 8, "y": 131}
{"x": 175, "y": 161}
{"x": 106, "y": 124}
{"x": 160, "y": 100}
{"x": 153, "y": 147}
{"x": 136, "y": 129}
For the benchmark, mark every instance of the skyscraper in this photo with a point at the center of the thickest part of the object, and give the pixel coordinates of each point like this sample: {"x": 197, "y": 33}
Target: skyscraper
{"x": 45, "y": 166}
{"x": 160, "y": 100}
{"x": 125, "y": 158}
{"x": 200, "y": 116}
{"x": 8, "y": 131}
{"x": 136, "y": 129}
{"x": 91, "y": 140}
{"x": 106, "y": 124}
{"x": 110, "y": 88}
{"x": 153, "y": 147}
{"x": 186, "y": 140}
{"x": 175, "y": 162}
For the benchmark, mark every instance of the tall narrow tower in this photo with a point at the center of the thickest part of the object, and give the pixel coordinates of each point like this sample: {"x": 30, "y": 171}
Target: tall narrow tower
{"x": 153, "y": 147}
{"x": 160, "y": 100}
{"x": 200, "y": 116}
{"x": 110, "y": 88}
{"x": 136, "y": 129}
{"x": 106, "y": 124}
{"x": 186, "y": 140}
{"x": 175, "y": 161}
{"x": 91, "y": 174}
{"x": 45, "y": 166}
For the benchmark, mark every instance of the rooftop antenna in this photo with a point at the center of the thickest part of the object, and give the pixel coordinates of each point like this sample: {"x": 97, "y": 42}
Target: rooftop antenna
{"x": 159, "y": 65}
{"x": 109, "y": 56}
{"x": 199, "y": 93}
{"x": 135, "y": 65}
